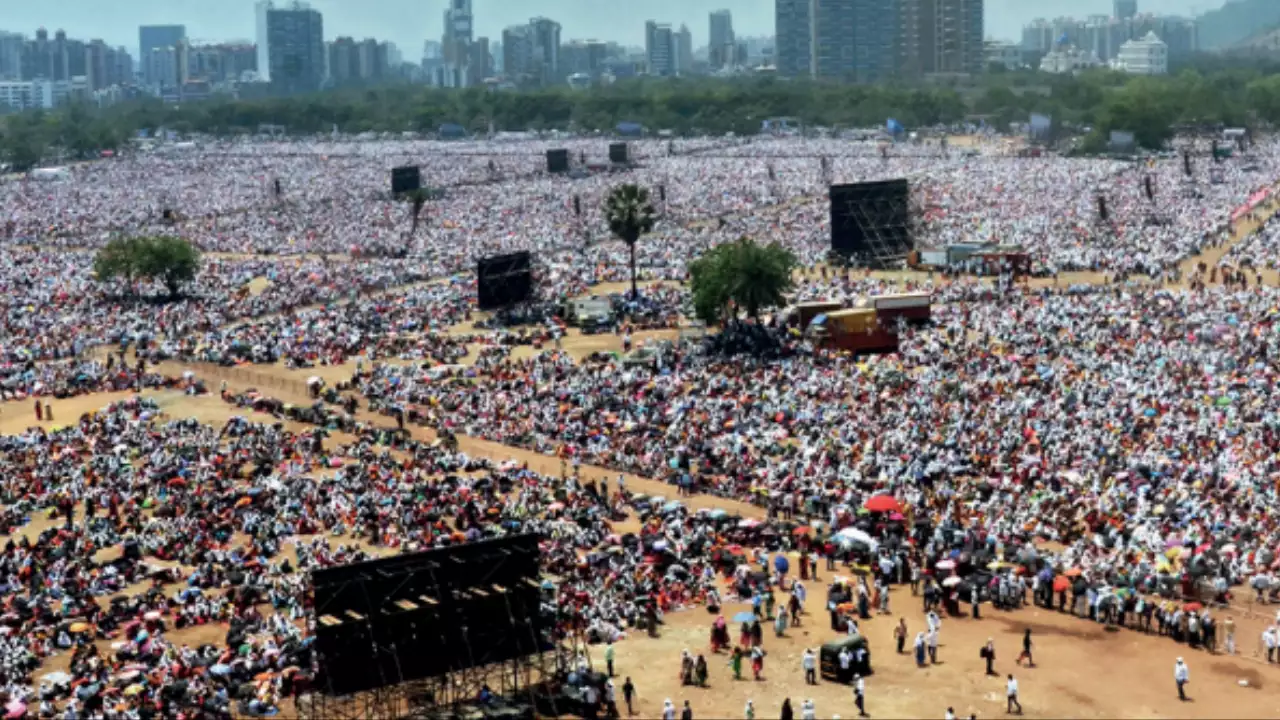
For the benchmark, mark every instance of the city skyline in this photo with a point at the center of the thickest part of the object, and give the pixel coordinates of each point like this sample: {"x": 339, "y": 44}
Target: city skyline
{"x": 407, "y": 23}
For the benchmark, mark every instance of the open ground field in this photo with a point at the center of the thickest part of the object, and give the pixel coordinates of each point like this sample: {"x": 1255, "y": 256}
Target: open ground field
{"x": 1083, "y": 669}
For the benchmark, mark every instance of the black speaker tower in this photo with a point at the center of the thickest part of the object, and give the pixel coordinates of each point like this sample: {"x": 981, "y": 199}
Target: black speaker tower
{"x": 558, "y": 161}
{"x": 504, "y": 280}
{"x": 405, "y": 179}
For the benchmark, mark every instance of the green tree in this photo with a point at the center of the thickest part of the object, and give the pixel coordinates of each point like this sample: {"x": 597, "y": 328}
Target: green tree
{"x": 22, "y": 150}
{"x": 630, "y": 215}
{"x": 741, "y": 276}
{"x": 118, "y": 259}
{"x": 168, "y": 260}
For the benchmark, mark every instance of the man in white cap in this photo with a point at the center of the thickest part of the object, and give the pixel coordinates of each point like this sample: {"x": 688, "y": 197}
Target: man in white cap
{"x": 859, "y": 695}
{"x": 808, "y": 711}
{"x": 668, "y": 710}
{"x": 611, "y": 699}
{"x": 1181, "y": 675}
{"x": 749, "y": 712}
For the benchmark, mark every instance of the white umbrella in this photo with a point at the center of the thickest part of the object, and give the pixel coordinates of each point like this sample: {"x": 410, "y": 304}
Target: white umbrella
{"x": 951, "y": 581}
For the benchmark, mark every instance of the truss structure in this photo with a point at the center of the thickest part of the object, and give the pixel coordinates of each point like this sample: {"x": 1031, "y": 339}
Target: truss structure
{"x": 886, "y": 223}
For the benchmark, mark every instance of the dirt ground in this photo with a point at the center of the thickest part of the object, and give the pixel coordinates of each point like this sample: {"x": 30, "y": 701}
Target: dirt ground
{"x": 1082, "y": 669}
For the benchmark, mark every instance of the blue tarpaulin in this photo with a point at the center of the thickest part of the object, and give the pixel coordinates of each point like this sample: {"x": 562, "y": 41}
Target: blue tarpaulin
{"x": 629, "y": 128}
{"x": 894, "y": 127}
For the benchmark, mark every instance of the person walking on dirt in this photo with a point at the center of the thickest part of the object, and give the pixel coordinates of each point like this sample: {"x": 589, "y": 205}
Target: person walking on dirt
{"x": 860, "y": 695}
{"x": 1181, "y": 676}
{"x": 1026, "y": 649}
{"x": 629, "y": 694}
{"x": 1011, "y": 695}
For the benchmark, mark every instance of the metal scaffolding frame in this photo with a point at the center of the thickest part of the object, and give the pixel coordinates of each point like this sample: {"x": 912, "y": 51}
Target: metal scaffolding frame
{"x": 889, "y": 224}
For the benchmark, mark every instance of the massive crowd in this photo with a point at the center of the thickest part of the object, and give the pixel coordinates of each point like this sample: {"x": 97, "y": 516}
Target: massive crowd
{"x": 1128, "y": 422}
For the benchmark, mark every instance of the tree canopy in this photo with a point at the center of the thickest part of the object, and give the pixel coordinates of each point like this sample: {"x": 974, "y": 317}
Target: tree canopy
{"x": 168, "y": 260}
{"x": 738, "y": 277}
{"x": 1204, "y": 89}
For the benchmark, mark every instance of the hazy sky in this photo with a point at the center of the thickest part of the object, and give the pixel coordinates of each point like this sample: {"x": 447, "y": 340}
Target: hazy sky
{"x": 408, "y": 22}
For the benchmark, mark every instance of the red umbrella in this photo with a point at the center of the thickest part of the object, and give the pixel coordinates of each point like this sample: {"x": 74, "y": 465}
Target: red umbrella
{"x": 802, "y": 530}
{"x": 1061, "y": 584}
{"x": 1193, "y": 607}
{"x": 883, "y": 503}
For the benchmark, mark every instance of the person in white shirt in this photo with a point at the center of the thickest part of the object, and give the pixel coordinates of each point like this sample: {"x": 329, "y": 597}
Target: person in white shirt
{"x": 859, "y": 695}
{"x": 932, "y": 621}
{"x": 749, "y": 712}
{"x": 668, "y": 710}
{"x": 810, "y": 664}
{"x": 951, "y": 715}
{"x": 1181, "y": 676}
{"x": 1011, "y": 694}
{"x": 1270, "y": 640}
{"x": 611, "y": 699}
{"x": 932, "y": 639}
{"x": 808, "y": 711}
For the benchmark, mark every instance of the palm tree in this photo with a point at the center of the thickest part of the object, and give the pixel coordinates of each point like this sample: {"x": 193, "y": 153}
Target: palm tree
{"x": 630, "y": 215}
{"x": 418, "y": 198}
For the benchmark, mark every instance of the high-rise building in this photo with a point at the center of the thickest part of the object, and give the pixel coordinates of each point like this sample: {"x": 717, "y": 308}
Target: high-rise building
{"x": 659, "y": 48}
{"x": 456, "y": 54}
{"x": 683, "y": 42}
{"x": 1125, "y": 9}
{"x": 162, "y": 67}
{"x": 853, "y": 39}
{"x": 517, "y": 53}
{"x": 721, "y": 43}
{"x": 584, "y": 57}
{"x": 546, "y": 49}
{"x": 941, "y": 36}
{"x": 458, "y": 30}
{"x": 791, "y": 37}
{"x": 11, "y": 47}
{"x": 343, "y": 66}
{"x": 159, "y": 36}
{"x": 261, "y": 8}
{"x": 295, "y": 38}
{"x": 479, "y": 61}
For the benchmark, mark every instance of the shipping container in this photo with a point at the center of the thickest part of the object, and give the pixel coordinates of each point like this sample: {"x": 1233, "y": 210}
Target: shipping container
{"x": 857, "y": 330}
{"x": 802, "y": 314}
{"x": 915, "y": 307}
